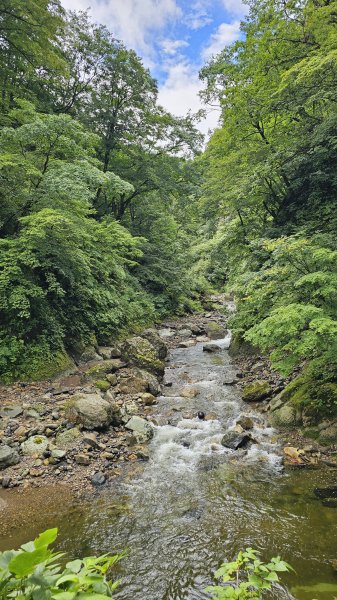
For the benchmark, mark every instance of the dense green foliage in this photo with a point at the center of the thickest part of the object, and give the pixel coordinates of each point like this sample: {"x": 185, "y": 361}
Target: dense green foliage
{"x": 270, "y": 181}
{"x": 94, "y": 178}
{"x": 33, "y": 573}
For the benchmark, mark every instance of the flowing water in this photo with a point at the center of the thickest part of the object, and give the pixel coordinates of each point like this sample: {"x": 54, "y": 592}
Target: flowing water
{"x": 195, "y": 503}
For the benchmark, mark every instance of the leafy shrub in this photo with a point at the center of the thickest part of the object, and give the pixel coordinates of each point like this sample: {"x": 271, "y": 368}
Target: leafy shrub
{"x": 247, "y": 576}
{"x": 33, "y": 573}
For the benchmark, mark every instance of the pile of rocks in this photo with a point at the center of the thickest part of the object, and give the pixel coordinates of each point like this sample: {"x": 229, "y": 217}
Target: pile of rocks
{"x": 79, "y": 428}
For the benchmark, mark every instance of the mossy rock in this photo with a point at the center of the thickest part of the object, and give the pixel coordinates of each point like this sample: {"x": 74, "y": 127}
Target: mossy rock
{"x": 256, "y": 391}
{"x": 328, "y": 436}
{"x": 67, "y": 438}
{"x": 103, "y": 385}
{"x": 141, "y": 353}
{"x": 103, "y": 368}
{"x": 215, "y": 331}
{"x": 286, "y": 417}
{"x": 311, "y": 432}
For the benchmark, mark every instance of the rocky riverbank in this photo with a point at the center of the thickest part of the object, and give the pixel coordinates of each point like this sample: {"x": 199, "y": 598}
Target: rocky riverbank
{"x": 83, "y": 428}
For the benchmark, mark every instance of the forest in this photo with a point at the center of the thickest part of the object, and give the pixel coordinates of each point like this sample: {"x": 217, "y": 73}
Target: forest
{"x": 114, "y": 215}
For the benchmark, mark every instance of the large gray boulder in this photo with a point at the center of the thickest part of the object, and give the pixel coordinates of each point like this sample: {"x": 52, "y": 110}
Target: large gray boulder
{"x": 8, "y": 457}
{"x": 90, "y": 410}
{"x": 153, "y": 337}
{"x": 234, "y": 440}
{"x": 288, "y": 416}
{"x": 141, "y": 353}
{"x": 256, "y": 391}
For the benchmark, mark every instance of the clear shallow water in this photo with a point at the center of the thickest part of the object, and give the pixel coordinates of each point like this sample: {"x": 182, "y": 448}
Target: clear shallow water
{"x": 195, "y": 503}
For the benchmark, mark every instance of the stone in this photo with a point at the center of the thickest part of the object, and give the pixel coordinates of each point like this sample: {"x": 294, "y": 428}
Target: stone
{"x": 90, "y": 438}
{"x": 31, "y": 413}
{"x": 211, "y": 348}
{"x": 107, "y": 366}
{"x": 8, "y": 456}
{"x": 82, "y": 459}
{"x": 256, "y": 391}
{"x": 20, "y": 432}
{"x": 187, "y": 344}
{"x": 211, "y": 417}
{"x": 6, "y": 481}
{"x": 328, "y": 492}
{"x": 105, "y": 352}
{"x": 67, "y": 438}
{"x": 58, "y": 454}
{"x": 152, "y": 336}
{"x": 234, "y": 440}
{"x": 148, "y": 399}
{"x": 111, "y": 378}
{"x": 245, "y": 422}
{"x": 98, "y": 478}
{"x": 215, "y": 331}
{"x": 166, "y": 333}
{"x": 89, "y": 355}
{"x": 186, "y": 333}
{"x": 277, "y": 402}
{"x": 189, "y": 392}
{"x": 288, "y": 416}
{"x": 11, "y": 411}
{"x": 140, "y": 427}
{"x": 36, "y": 444}
{"x": 328, "y": 436}
{"x": 133, "y": 384}
{"x": 103, "y": 385}
{"x": 141, "y": 353}
{"x": 89, "y": 410}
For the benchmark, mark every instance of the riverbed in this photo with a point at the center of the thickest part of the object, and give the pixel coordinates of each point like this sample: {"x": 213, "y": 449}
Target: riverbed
{"x": 196, "y": 503}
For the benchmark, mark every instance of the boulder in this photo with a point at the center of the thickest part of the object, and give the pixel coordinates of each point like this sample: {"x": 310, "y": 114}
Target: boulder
{"x": 166, "y": 333}
{"x": 256, "y": 391}
{"x": 36, "y": 444}
{"x": 89, "y": 410}
{"x": 107, "y": 352}
{"x": 8, "y": 457}
{"x": 185, "y": 333}
{"x": 148, "y": 399}
{"x": 107, "y": 366}
{"x": 215, "y": 331}
{"x": 234, "y": 440}
{"x": 98, "y": 478}
{"x": 328, "y": 436}
{"x": 187, "y": 344}
{"x": 288, "y": 416}
{"x": 141, "y": 353}
{"x": 152, "y": 336}
{"x": 212, "y": 348}
{"x": 245, "y": 422}
{"x": 141, "y": 428}
{"x": 89, "y": 355}
{"x": 189, "y": 392}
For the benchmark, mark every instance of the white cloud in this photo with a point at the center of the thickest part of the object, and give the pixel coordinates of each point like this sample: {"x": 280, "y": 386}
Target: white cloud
{"x": 180, "y": 93}
{"x": 227, "y": 33}
{"x": 131, "y": 20}
{"x": 171, "y": 47}
{"x": 198, "y": 16}
{"x": 236, "y": 7}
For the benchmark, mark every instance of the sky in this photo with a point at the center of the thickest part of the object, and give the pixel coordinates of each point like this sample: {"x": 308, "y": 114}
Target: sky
{"x": 175, "y": 38}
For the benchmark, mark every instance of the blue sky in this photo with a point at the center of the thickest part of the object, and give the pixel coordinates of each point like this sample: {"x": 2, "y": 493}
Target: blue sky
{"x": 174, "y": 38}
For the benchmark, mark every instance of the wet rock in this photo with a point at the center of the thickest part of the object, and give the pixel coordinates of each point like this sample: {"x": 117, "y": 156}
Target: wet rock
{"x": 187, "y": 344}
{"x": 141, "y": 353}
{"x": 11, "y": 412}
{"x": 153, "y": 385}
{"x": 201, "y": 415}
{"x": 36, "y": 444}
{"x": 256, "y": 391}
{"x": 245, "y": 422}
{"x": 215, "y": 331}
{"x": 328, "y": 492}
{"x": 6, "y": 481}
{"x": 189, "y": 392}
{"x": 234, "y": 440}
{"x": 8, "y": 456}
{"x": 211, "y": 417}
{"x": 212, "y": 348}
{"x": 140, "y": 427}
{"x": 98, "y": 478}
{"x": 89, "y": 410}
{"x": 152, "y": 336}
